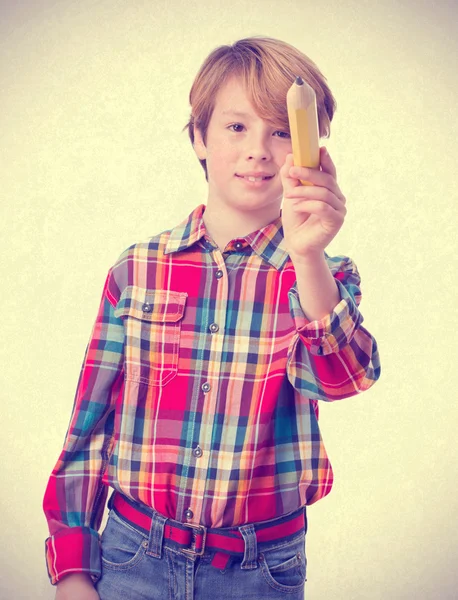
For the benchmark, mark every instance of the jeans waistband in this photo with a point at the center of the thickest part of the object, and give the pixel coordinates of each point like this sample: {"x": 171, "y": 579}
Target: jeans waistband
{"x": 193, "y": 539}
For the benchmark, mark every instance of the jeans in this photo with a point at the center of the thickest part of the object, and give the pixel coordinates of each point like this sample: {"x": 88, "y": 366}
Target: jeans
{"x": 272, "y": 570}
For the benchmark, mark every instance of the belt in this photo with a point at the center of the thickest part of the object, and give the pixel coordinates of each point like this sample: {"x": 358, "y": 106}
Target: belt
{"x": 196, "y": 538}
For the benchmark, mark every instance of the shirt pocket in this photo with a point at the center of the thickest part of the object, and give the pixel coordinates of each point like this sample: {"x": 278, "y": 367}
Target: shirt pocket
{"x": 152, "y": 329}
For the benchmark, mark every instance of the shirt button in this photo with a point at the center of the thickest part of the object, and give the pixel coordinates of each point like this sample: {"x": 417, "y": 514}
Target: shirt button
{"x": 206, "y": 387}
{"x": 214, "y": 327}
{"x": 238, "y": 245}
{"x": 189, "y": 514}
{"x": 147, "y": 307}
{"x": 197, "y": 451}
{"x": 218, "y": 274}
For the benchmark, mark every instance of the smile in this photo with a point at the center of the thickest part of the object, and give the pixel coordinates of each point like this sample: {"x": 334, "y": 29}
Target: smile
{"x": 255, "y": 182}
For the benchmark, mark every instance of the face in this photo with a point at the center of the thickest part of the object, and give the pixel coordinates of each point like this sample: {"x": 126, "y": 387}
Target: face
{"x": 237, "y": 145}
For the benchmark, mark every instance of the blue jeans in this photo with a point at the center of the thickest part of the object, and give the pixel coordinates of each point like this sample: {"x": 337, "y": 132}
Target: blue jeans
{"x": 272, "y": 570}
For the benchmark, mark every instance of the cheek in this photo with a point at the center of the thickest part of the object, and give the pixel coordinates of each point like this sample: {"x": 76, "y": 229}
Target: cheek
{"x": 222, "y": 161}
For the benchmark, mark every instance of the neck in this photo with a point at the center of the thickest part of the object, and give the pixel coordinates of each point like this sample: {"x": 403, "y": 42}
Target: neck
{"x": 223, "y": 223}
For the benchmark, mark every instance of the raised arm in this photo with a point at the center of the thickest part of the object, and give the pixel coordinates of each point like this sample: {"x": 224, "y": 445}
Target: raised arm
{"x": 334, "y": 357}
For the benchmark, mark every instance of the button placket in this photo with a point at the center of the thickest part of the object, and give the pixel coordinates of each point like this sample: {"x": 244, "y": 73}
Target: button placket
{"x": 206, "y": 386}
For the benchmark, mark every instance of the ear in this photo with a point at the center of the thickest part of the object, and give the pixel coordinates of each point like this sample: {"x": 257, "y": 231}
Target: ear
{"x": 199, "y": 146}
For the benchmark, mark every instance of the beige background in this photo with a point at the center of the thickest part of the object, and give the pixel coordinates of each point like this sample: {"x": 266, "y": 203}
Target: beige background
{"x": 93, "y": 98}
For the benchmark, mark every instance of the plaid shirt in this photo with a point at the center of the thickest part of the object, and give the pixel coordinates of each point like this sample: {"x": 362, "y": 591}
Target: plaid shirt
{"x": 198, "y": 393}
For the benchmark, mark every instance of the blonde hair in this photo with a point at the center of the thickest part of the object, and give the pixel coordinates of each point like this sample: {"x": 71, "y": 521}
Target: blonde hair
{"x": 267, "y": 68}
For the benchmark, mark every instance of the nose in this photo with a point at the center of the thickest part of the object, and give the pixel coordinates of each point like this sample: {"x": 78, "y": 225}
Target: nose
{"x": 258, "y": 147}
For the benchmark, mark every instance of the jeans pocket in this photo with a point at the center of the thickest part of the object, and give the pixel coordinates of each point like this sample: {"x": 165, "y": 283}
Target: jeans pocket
{"x": 285, "y": 568}
{"x": 122, "y": 546}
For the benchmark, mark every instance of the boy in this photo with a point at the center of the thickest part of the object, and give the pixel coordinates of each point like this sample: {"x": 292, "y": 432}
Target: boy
{"x": 197, "y": 401}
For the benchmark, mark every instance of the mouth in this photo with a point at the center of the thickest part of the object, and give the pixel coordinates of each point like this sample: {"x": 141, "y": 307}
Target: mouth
{"x": 250, "y": 178}
{"x": 255, "y": 182}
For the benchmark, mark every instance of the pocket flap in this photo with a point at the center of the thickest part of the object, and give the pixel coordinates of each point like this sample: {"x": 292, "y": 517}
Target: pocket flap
{"x": 164, "y": 306}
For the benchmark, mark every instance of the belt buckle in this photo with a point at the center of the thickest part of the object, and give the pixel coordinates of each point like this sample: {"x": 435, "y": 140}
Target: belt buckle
{"x": 191, "y": 551}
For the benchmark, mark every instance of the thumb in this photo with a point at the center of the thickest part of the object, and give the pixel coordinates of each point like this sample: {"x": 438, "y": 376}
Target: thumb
{"x": 288, "y": 182}
{"x": 326, "y": 163}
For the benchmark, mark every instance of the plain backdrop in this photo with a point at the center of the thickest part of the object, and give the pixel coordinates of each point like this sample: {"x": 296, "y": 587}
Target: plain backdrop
{"x": 93, "y": 97}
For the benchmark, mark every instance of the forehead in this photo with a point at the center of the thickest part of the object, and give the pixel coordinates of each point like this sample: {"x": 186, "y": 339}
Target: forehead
{"x": 232, "y": 100}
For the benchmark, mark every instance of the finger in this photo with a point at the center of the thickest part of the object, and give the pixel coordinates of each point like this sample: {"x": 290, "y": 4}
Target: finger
{"x": 327, "y": 164}
{"x": 316, "y": 178}
{"x": 320, "y": 209}
{"x": 315, "y": 193}
{"x": 303, "y": 190}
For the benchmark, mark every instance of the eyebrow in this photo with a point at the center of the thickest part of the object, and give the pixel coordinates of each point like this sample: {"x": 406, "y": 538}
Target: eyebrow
{"x": 236, "y": 113}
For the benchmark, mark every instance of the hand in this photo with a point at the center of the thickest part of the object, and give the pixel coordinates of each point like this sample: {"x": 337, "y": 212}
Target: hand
{"x": 76, "y": 586}
{"x": 311, "y": 214}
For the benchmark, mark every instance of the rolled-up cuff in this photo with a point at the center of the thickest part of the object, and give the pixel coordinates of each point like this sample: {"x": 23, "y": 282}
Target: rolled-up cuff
{"x": 74, "y": 550}
{"x": 334, "y": 330}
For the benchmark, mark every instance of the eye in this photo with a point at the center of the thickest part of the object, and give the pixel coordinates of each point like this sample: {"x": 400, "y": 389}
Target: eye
{"x": 235, "y": 125}
{"x": 240, "y": 125}
{"x": 286, "y": 133}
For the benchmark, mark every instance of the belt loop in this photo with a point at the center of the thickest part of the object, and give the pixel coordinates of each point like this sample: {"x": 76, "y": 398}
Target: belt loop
{"x": 156, "y": 535}
{"x": 251, "y": 547}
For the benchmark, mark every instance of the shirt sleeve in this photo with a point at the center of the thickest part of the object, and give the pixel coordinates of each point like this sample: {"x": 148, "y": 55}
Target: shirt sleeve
{"x": 75, "y": 496}
{"x": 334, "y": 357}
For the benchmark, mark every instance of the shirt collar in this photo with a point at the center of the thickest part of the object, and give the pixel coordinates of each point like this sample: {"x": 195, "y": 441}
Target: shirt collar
{"x": 267, "y": 242}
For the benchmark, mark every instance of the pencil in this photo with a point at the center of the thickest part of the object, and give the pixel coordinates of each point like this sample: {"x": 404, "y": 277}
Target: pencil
{"x": 303, "y": 124}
